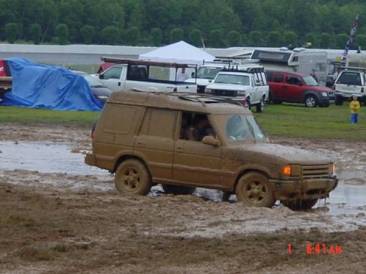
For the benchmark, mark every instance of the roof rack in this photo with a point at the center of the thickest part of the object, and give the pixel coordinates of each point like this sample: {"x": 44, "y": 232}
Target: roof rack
{"x": 247, "y": 70}
{"x": 353, "y": 68}
{"x": 144, "y": 62}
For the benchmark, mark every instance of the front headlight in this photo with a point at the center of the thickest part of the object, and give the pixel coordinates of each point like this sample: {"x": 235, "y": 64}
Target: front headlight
{"x": 325, "y": 94}
{"x": 242, "y": 92}
{"x": 208, "y": 90}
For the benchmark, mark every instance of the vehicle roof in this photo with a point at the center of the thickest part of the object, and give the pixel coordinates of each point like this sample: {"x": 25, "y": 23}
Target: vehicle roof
{"x": 178, "y": 101}
{"x": 233, "y": 72}
{"x": 288, "y": 73}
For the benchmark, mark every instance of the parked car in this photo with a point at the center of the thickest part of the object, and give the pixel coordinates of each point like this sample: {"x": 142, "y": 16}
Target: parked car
{"x": 187, "y": 141}
{"x": 350, "y": 82}
{"x": 98, "y": 89}
{"x": 240, "y": 85}
{"x": 297, "y": 88}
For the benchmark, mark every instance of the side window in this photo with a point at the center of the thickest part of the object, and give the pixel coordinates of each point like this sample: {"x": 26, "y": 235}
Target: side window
{"x": 277, "y": 77}
{"x": 119, "y": 118}
{"x": 195, "y": 126}
{"x": 291, "y": 80}
{"x": 159, "y": 123}
{"x": 112, "y": 73}
{"x": 137, "y": 73}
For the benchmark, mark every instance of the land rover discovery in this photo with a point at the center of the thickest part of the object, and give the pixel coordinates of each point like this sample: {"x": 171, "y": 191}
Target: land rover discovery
{"x": 188, "y": 141}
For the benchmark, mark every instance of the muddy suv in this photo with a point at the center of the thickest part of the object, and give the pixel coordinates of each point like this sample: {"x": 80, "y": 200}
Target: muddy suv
{"x": 188, "y": 141}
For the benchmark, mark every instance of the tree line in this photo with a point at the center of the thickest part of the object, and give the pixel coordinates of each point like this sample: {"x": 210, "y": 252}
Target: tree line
{"x": 213, "y": 23}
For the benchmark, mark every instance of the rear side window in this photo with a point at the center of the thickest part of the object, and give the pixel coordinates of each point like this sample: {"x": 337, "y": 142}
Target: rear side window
{"x": 120, "y": 119}
{"x": 350, "y": 78}
{"x": 277, "y": 77}
{"x": 159, "y": 123}
{"x": 292, "y": 80}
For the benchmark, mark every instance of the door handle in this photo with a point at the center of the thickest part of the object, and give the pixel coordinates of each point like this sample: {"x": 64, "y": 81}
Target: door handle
{"x": 179, "y": 148}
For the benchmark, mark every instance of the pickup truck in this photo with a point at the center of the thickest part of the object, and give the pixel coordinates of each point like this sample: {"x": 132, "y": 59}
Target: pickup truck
{"x": 146, "y": 76}
{"x": 241, "y": 85}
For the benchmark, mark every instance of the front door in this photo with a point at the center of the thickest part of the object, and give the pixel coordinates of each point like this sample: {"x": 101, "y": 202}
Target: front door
{"x": 195, "y": 162}
{"x": 293, "y": 90}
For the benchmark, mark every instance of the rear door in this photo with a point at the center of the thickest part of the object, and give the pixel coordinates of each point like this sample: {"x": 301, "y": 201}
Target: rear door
{"x": 155, "y": 142}
{"x": 277, "y": 85}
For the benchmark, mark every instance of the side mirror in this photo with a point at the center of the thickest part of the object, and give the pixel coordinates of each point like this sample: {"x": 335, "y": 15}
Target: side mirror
{"x": 193, "y": 75}
{"x": 258, "y": 83}
{"x": 210, "y": 140}
{"x": 101, "y": 76}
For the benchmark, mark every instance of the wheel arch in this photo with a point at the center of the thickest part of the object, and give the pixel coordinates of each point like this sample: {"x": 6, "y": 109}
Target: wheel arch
{"x": 126, "y": 156}
{"x": 248, "y": 170}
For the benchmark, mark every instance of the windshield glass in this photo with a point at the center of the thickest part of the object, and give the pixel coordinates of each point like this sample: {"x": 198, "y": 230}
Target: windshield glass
{"x": 233, "y": 79}
{"x": 207, "y": 72}
{"x": 241, "y": 128}
{"x": 310, "y": 81}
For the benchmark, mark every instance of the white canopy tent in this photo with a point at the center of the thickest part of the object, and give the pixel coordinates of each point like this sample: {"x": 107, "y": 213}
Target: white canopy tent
{"x": 180, "y": 52}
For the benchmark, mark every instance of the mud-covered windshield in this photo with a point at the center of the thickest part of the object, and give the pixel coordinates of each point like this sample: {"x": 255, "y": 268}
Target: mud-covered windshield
{"x": 241, "y": 128}
{"x": 310, "y": 81}
{"x": 207, "y": 72}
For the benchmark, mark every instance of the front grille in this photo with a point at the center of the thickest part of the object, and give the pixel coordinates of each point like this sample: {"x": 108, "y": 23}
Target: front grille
{"x": 315, "y": 171}
{"x": 221, "y": 92}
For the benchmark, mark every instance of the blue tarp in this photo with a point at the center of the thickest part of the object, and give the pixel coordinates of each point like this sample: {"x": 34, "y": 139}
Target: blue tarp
{"x": 45, "y": 86}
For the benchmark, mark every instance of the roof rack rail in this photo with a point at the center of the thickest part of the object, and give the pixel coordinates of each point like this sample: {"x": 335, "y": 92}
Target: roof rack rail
{"x": 353, "y": 68}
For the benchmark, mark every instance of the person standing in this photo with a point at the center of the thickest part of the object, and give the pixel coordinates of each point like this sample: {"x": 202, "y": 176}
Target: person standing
{"x": 355, "y": 107}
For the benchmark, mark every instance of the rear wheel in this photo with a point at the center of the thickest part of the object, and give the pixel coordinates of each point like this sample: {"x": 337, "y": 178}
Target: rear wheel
{"x": 311, "y": 101}
{"x": 254, "y": 189}
{"x": 338, "y": 100}
{"x": 178, "y": 190}
{"x": 132, "y": 177}
{"x": 300, "y": 204}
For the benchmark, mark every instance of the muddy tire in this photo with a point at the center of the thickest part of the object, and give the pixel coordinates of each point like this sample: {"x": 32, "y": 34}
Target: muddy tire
{"x": 300, "y": 204}
{"x": 254, "y": 189}
{"x": 132, "y": 177}
{"x": 178, "y": 190}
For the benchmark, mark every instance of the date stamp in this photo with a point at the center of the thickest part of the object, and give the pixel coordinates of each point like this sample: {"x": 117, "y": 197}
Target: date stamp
{"x": 318, "y": 249}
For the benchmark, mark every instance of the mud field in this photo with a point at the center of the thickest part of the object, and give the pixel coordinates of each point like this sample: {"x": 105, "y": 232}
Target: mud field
{"x": 58, "y": 215}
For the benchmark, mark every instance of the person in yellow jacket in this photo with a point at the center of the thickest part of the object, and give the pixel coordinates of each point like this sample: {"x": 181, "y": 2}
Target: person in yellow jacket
{"x": 355, "y": 107}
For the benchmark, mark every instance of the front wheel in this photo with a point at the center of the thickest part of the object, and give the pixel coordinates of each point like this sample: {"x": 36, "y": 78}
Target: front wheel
{"x": 132, "y": 177}
{"x": 253, "y": 189}
{"x": 311, "y": 101}
{"x": 300, "y": 204}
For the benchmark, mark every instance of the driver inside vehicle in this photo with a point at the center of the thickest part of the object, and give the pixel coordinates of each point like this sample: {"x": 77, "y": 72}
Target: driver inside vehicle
{"x": 199, "y": 129}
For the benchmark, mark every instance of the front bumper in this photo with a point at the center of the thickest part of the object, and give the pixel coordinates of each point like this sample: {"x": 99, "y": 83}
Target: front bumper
{"x": 314, "y": 188}
{"x": 90, "y": 159}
